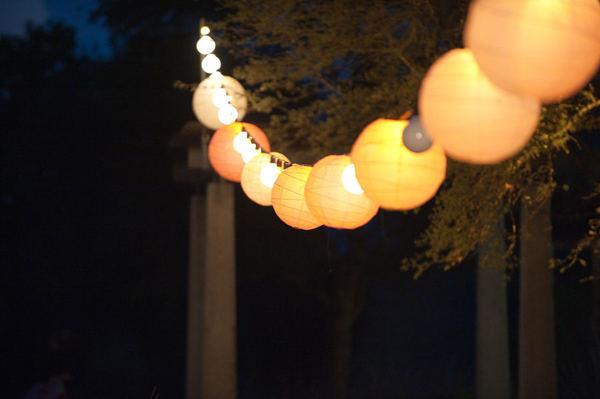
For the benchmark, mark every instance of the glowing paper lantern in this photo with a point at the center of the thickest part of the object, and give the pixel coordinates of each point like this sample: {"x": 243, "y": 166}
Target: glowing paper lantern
{"x": 471, "y": 118}
{"x": 202, "y": 103}
{"x": 211, "y": 63}
{"x": 334, "y": 197}
{"x": 288, "y": 198}
{"x": 391, "y": 174}
{"x": 259, "y": 176}
{"x": 205, "y": 45}
{"x": 548, "y": 49}
{"x": 223, "y": 155}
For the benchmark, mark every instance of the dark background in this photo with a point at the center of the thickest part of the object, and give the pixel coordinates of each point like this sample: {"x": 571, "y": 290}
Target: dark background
{"x": 94, "y": 247}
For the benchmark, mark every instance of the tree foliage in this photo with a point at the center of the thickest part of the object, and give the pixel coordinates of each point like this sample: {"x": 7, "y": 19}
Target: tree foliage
{"x": 324, "y": 70}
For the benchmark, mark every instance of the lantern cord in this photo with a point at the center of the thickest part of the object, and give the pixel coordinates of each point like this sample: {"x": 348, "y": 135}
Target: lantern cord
{"x": 280, "y": 162}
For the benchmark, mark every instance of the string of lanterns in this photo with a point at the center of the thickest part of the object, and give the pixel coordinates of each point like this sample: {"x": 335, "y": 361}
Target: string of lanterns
{"x": 479, "y": 104}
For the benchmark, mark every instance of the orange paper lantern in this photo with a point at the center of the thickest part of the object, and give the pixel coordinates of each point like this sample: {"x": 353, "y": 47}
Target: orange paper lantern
{"x": 223, "y": 157}
{"x": 334, "y": 196}
{"x": 391, "y": 174}
{"x": 548, "y": 49}
{"x": 259, "y": 176}
{"x": 470, "y": 117}
{"x": 288, "y": 198}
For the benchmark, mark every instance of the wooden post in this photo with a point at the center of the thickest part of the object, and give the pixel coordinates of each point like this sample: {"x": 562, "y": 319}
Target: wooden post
{"x": 537, "y": 355}
{"x": 493, "y": 365}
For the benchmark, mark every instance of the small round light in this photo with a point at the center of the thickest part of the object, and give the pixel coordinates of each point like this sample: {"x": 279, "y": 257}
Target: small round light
{"x": 211, "y": 63}
{"x": 220, "y": 98}
{"x": 205, "y": 30}
{"x": 415, "y": 137}
{"x": 205, "y": 45}
{"x": 350, "y": 181}
{"x": 216, "y": 77}
{"x": 268, "y": 174}
{"x": 249, "y": 153}
{"x": 243, "y": 146}
{"x": 227, "y": 114}
{"x": 240, "y": 141}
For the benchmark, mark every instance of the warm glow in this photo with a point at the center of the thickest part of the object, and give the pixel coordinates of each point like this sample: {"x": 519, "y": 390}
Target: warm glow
{"x": 241, "y": 142}
{"x": 545, "y": 49}
{"x": 216, "y": 77}
{"x": 205, "y": 30}
{"x": 223, "y": 156}
{"x": 470, "y": 117}
{"x": 220, "y": 98}
{"x": 227, "y": 114}
{"x": 349, "y": 180}
{"x": 211, "y": 63}
{"x": 330, "y": 202}
{"x": 205, "y": 45}
{"x": 249, "y": 153}
{"x": 268, "y": 174}
{"x": 288, "y": 198}
{"x": 202, "y": 103}
{"x": 258, "y": 177}
{"x": 391, "y": 174}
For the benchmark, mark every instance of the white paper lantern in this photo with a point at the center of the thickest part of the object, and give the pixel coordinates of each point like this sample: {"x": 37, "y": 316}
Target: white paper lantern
{"x": 205, "y": 45}
{"x": 204, "y": 108}
{"x": 211, "y": 63}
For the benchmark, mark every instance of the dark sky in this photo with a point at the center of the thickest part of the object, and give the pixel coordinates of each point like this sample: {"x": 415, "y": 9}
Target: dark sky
{"x": 92, "y": 39}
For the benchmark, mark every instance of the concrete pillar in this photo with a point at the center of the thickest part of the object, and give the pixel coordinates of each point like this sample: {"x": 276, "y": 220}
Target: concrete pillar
{"x": 197, "y": 237}
{"x": 219, "y": 311}
{"x": 493, "y": 365}
{"x": 537, "y": 354}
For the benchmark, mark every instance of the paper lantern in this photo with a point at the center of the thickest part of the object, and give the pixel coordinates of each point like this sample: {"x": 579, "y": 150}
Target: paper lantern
{"x": 391, "y": 174}
{"x": 206, "y": 45}
{"x": 259, "y": 176}
{"x": 202, "y": 102}
{"x": 224, "y": 157}
{"x": 288, "y": 198}
{"x": 470, "y": 117}
{"x": 548, "y": 49}
{"x": 334, "y": 196}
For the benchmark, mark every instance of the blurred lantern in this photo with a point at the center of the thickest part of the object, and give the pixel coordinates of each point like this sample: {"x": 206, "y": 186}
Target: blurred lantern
{"x": 391, "y": 174}
{"x": 544, "y": 49}
{"x": 205, "y": 45}
{"x": 204, "y": 30}
{"x": 202, "y": 102}
{"x": 334, "y": 196}
{"x": 259, "y": 175}
{"x": 471, "y": 118}
{"x": 288, "y": 198}
{"x": 227, "y": 114}
{"x": 211, "y": 63}
{"x": 226, "y": 158}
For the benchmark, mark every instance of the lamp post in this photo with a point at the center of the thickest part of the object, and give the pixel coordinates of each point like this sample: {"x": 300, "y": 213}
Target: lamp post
{"x": 211, "y": 321}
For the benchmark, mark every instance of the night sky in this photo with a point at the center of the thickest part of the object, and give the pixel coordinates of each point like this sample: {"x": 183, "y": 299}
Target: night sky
{"x": 92, "y": 38}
